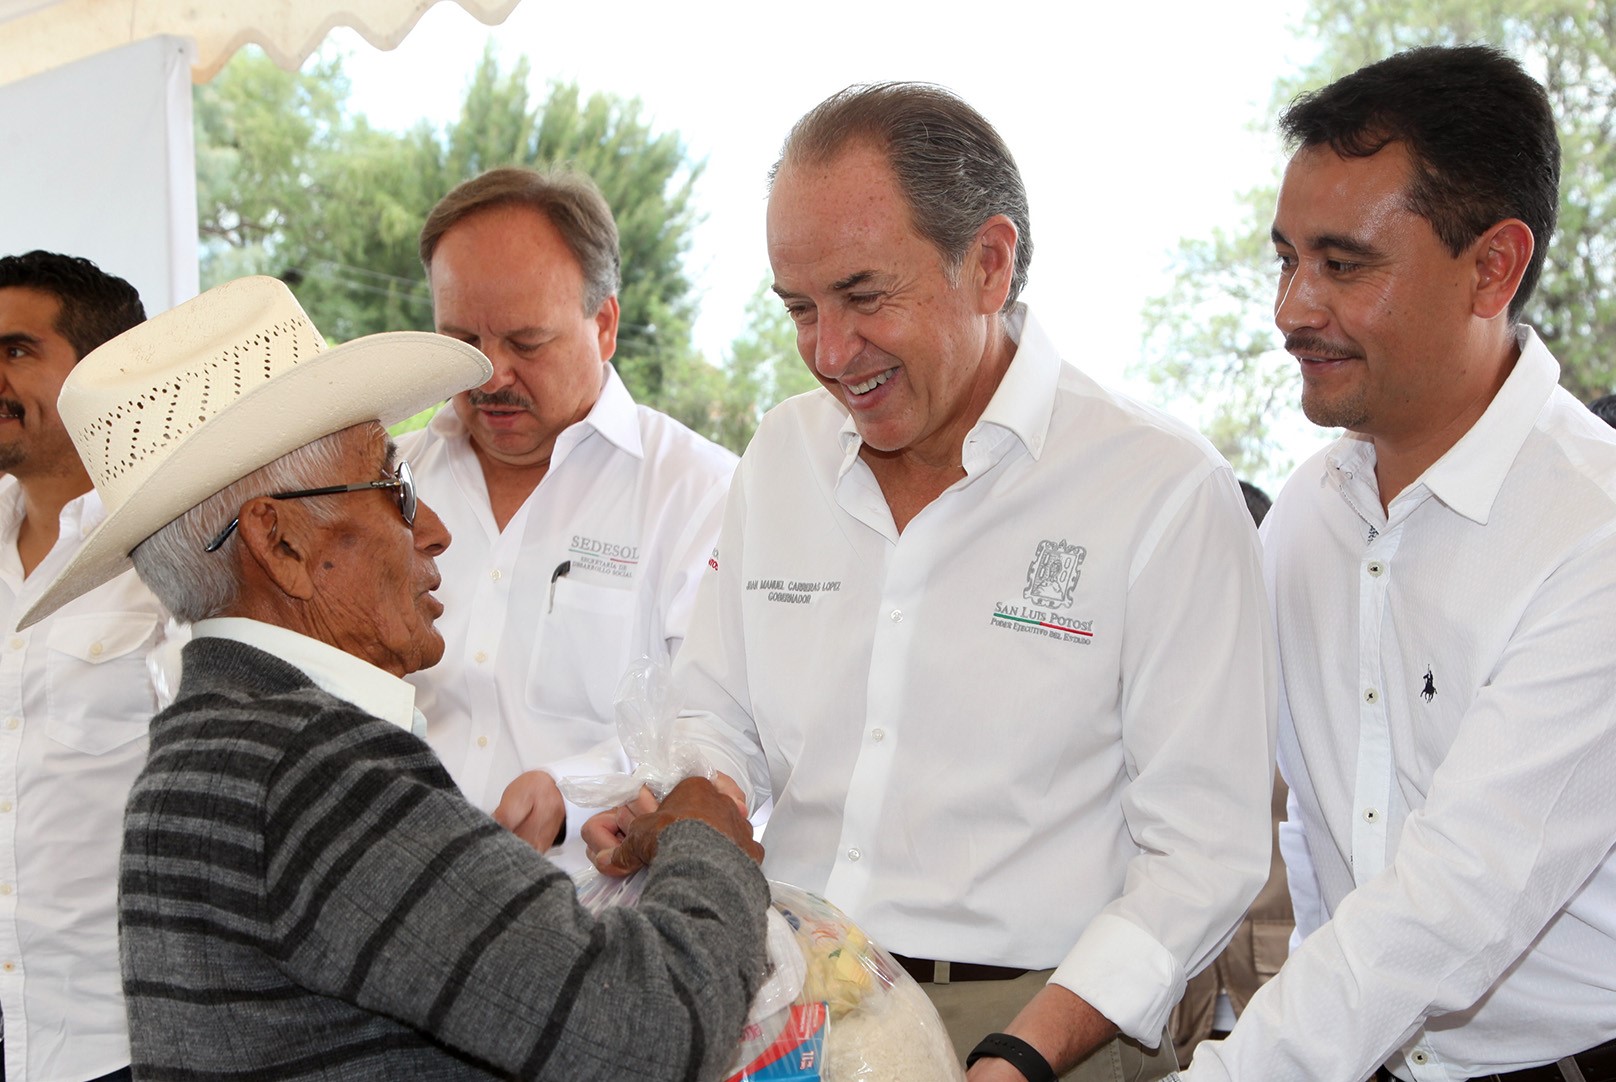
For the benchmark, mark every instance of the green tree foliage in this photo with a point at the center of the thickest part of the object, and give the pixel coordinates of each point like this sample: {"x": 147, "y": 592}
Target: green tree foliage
{"x": 762, "y": 370}
{"x": 1207, "y": 337}
{"x": 290, "y": 184}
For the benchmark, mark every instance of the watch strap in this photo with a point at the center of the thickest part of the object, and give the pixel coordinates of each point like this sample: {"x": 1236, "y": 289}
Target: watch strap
{"x": 1016, "y": 1052}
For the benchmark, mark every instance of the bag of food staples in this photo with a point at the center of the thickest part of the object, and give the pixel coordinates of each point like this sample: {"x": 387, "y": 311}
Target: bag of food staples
{"x": 834, "y": 1006}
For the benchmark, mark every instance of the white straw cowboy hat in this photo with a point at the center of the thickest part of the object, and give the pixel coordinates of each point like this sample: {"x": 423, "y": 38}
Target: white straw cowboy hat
{"x": 175, "y": 409}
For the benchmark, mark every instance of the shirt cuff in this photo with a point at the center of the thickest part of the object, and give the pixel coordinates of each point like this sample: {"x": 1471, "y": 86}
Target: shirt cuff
{"x": 1124, "y": 973}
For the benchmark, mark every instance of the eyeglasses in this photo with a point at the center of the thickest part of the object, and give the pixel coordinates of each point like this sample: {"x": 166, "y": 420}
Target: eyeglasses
{"x": 402, "y": 479}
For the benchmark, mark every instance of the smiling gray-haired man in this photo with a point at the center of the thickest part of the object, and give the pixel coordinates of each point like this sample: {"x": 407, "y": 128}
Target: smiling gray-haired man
{"x": 304, "y": 893}
{"x": 992, "y": 637}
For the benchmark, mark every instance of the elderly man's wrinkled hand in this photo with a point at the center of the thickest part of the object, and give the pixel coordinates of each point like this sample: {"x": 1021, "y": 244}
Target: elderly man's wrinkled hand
{"x": 636, "y": 832}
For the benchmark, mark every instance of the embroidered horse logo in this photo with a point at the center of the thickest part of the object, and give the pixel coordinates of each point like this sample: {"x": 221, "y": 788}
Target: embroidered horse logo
{"x": 1429, "y": 691}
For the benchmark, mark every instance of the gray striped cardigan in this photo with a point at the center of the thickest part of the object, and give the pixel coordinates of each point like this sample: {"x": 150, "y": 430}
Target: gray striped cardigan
{"x": 304, "y": 894}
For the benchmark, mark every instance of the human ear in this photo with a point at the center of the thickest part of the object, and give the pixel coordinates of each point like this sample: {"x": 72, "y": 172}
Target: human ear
{"x": 277, "y": 542}
{"x": 606, "y": 327}
{"x": 994, "y": 261}
{"x": 1502, "y": 254}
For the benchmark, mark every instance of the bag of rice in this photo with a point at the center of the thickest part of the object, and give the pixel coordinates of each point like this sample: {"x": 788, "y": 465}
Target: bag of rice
{"x": 834, "y": 1006}
{"x": 855, "y": 1015}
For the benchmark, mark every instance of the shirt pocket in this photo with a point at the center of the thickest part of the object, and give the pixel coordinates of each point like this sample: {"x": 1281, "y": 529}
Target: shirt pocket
{"x": 98, "y": 689}
{"x": 582, "y": 651}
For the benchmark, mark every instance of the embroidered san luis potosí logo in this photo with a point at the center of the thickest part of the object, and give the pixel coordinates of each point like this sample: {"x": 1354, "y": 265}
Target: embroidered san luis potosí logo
{"x": 1051, "y": 584}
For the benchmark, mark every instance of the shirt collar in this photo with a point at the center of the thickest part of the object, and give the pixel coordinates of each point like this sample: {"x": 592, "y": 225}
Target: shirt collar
{"x": 79, "y": 518}
{"x": 1021, "y": 406}
{"x": 1025, "y": 399}
{"x": 614, "y": 415}
{"x": 1469, "y": 476}
{"x": 352, "y": 679}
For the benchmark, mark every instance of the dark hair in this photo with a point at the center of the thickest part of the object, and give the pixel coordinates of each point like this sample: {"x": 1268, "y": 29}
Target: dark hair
{"x": 953, "y": 168}
{"x": 1478, "y": 129}
{"x": 1257, "y": 501}
{"x": 95, "y": 306}
{"x": 568, "y": 198}
{"x": 1605, "y": 409}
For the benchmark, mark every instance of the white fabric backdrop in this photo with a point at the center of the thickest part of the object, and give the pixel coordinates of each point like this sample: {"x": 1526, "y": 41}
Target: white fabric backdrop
{"x": 101, "y": 164}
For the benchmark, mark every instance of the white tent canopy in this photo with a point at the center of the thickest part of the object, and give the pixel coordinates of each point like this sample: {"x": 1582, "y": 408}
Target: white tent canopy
{"x": 95, "y": 95}
{"x": 37, "y": 35}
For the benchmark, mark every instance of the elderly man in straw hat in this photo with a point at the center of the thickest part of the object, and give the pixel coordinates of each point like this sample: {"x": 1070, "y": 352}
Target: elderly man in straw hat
{"x": 304, "y": 892}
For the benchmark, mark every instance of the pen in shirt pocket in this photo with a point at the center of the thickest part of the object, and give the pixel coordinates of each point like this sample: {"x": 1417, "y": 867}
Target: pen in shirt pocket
{"x": 555, "y": 576}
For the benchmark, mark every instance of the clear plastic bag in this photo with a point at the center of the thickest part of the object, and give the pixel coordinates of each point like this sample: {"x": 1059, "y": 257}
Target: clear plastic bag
{"x": 646, "y": 718}
{"x": 834, "y": 1006}
{"x": 855, "y": 1015}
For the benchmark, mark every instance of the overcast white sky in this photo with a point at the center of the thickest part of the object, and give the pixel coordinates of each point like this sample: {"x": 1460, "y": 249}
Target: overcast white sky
{"x": 1132, "y": 122}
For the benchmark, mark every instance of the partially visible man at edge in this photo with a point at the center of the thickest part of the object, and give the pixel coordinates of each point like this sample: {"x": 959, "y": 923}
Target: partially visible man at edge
{"x": 962, "y": 626}
{"x": 76, "y": 692}
{"x": 304, "y": 892}
{"x": 583, "y": 522}
{"x": 1444, "y": 584}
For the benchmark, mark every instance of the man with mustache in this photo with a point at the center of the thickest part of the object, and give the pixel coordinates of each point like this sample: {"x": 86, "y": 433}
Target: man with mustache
{"x": 1444, "y": 587}
{"x": 583, "y": 522}
{"x": 76, "y": 692}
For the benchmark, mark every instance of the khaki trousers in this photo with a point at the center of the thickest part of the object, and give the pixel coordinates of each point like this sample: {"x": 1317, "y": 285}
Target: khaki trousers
{"x": 970, "y": 1010}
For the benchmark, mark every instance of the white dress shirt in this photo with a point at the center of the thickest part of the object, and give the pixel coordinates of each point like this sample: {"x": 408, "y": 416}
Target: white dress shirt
{"x": 77, "y": 692}
{"x": 352, "y": 679}
{"x": 1034, "y": 728}
{"x": 631, "y": 505}
{"x": 1448, "y": 727}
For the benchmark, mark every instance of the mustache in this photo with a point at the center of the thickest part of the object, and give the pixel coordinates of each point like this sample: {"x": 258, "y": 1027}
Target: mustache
{"x": 505, "y": 396}
{"x": 1315, "y": 345}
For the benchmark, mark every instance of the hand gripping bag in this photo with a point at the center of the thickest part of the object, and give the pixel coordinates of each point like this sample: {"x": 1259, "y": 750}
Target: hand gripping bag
{"x": 834, "y": 1006}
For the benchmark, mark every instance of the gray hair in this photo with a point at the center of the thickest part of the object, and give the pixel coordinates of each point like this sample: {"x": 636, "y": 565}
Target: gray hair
{"x": 568, "y": 198}
{"x": 954, "y": 169}
{"x": 194, "y": 584}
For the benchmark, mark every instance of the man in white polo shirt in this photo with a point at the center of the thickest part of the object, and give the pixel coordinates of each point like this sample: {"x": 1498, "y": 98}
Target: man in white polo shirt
{"x": 582, "y": 521}
{"x": 993, "y": 638}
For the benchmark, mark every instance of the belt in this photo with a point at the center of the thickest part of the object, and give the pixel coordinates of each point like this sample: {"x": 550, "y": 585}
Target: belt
{"x": 926, "y": 971}
{"x": 1594, "y": 1065}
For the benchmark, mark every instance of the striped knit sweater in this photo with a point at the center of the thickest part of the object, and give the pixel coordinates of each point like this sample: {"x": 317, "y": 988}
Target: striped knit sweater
{"x": 304, "y": 894}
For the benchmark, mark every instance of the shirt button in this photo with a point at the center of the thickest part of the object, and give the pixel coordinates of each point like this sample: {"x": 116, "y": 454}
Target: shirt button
{"x": 1371, "y": 696}
{"x": 12, "y": 723}
{"x": 1420, "y": 1058}
{"x": 5, "y": 890}
{"x": 5, "y": 805}
{"x": 1375, "y": 568}
{"x": 1370, "y": 815}
{"x": 897, "y": 616}
{"x": 494, "y": 574}
{"x": 481, "y": 657}
{"x": 16, "y": 642}
{"x": 854, "y": 854}
{"x": 9, "y": 967}
{"x": 878, "y": 735}
{"x": 482, "y": 741}
{"x": 95, "y": 649}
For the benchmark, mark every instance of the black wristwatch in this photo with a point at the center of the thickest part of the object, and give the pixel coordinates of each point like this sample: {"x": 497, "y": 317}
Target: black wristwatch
{"x": 1016, "y": 1052}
